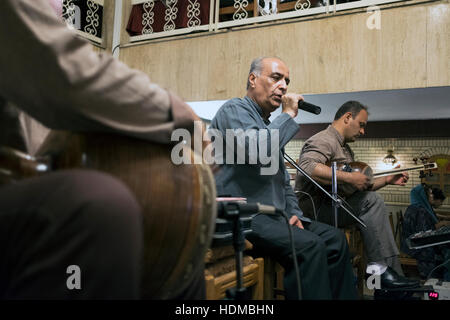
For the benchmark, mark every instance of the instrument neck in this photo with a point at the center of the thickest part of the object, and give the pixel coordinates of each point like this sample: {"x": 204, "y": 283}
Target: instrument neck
{"x": 396, "y": 171}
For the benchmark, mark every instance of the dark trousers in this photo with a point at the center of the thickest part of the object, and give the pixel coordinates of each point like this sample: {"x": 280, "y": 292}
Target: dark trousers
{"x": 77, "y": 218}
{"x": 322, "y": 255}
{"x": 379, "y": 242}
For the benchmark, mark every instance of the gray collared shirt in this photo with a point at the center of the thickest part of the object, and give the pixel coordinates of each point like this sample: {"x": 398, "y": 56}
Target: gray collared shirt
{"x": 324, "y": 147}
{"x": 246, "y": 180}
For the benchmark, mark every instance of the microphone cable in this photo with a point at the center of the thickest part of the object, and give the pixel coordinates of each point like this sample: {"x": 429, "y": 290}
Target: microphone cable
{"x": 240, "y": 208}
{"x": 312, "y": 201}
{"x": 294, "y": 255}
{"x": 435, "y": 268}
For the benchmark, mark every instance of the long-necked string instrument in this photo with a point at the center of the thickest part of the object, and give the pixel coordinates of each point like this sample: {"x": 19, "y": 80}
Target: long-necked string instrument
{"x": 365, "y": 169}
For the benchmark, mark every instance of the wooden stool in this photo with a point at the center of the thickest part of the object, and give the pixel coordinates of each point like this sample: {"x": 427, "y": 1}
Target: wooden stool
{"x": 409, "y": 265}
{"x": 273, "y": 280}
{"x": 407, "y": 260}
{"x": 273, "y": 277}
{"x": 356, "y": 248}
{"x": 220, "y": 273}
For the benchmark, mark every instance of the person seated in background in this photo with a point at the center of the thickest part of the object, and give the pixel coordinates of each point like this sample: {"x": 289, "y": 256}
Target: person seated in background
{"x": 332, "y": 145}
{"x": 420, "y": 216}
{"x": 73, "y": 218}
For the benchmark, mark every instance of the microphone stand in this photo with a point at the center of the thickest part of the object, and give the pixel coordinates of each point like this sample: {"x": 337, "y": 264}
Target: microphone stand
{"x": 232, "y": 212}
{"x": 336, "y": 202}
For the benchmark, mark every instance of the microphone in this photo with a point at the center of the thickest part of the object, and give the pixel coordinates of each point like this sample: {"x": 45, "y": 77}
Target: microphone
{"x": 309, "y": 107}
{"x": 233, "y": 209}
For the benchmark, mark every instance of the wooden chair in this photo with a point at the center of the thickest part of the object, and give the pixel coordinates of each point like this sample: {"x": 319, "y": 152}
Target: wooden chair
{"x": 273, "y": 275}
{"x": 356, "y": 248}
{"x": 220, "y": 273}
{"x": 409, "y": 264}
{"x": 273, "y": 280}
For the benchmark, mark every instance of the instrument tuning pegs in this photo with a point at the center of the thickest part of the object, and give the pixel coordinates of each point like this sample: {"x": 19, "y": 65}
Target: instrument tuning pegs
{"x": 424, "y": 159}
{"x": 422, "y": 174}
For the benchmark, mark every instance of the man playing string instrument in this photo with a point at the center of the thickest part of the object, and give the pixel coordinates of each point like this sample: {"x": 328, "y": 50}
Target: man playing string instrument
{"x": 331, "y": 145}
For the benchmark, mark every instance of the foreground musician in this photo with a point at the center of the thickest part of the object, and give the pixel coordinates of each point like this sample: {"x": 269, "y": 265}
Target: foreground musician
{"x": 321, "y": 250}
{"x": 331, "y": 145}
{"x": 82, "y": 219}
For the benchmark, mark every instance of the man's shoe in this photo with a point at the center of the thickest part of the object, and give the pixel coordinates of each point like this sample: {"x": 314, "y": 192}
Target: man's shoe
{"x": 392, "y": 280}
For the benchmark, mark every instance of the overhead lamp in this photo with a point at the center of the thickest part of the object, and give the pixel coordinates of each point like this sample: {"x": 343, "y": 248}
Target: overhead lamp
{"x": 390, "y": 159}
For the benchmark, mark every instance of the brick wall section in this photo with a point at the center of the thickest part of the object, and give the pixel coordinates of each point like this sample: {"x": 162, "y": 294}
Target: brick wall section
{"x": 372, "y": 151}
